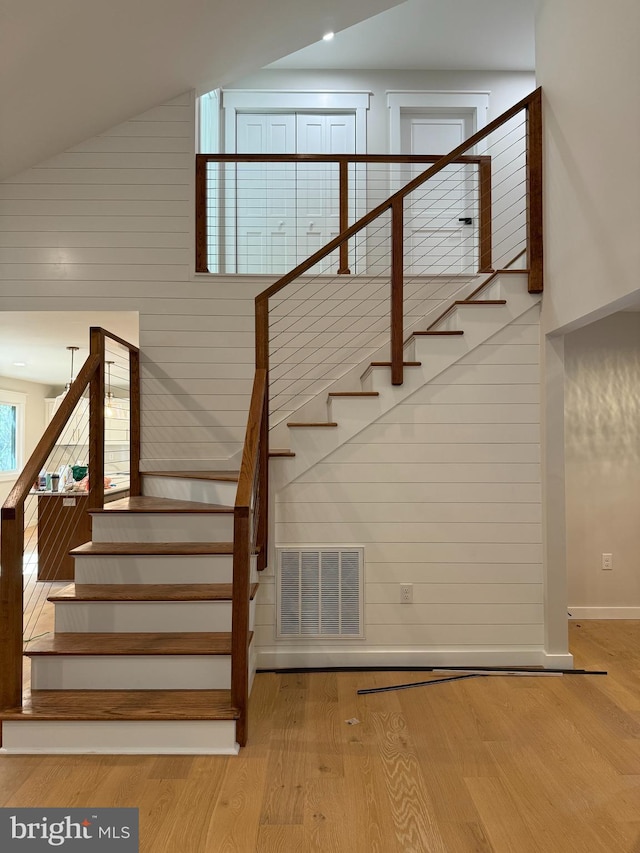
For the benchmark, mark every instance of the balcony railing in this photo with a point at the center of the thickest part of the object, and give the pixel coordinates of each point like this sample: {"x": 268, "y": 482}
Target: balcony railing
{"x": 264, "y": 214}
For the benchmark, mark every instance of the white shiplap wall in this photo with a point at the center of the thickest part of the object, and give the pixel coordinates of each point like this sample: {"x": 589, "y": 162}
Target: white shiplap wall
{"x": 109, "y": 225}
{"x": 443, "y": 492}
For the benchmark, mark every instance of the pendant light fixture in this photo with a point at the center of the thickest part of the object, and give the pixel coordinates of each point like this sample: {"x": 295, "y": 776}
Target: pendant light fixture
{"x": 61, "y": 397}
{"x": 108, "y": 402}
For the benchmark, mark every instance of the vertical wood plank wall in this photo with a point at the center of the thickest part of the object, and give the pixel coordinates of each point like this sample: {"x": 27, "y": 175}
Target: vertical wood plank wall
{"x": 443, "y": 492}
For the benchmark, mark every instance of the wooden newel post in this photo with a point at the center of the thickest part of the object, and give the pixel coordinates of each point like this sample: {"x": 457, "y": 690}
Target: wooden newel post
{"x": 534, "y": 194}
{"x": 397, "y": 296}
{"x": 11, "y": 550}
{"x": 135, "y": 486}
{"x": 343, "y": 267}
{"x": 240, "y": 621}
{"x": 485, "y": 237}
{"x": 202, "y": 262}
{"x": 263, "y": 486}
{"x": 96, "y": 423}
{"x": 262, "y": 363}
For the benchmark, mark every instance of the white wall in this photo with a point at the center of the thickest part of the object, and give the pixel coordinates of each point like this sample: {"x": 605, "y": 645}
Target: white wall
{"x": 71, "y": 69}
{"x": 35, "y": 419}
{"x": 602, "y": 437}
{"x": 443, "y": 492}
{"x": 588, "y": 64}
{"x": 108, "y": 225}
{"x": 506, "y": 89}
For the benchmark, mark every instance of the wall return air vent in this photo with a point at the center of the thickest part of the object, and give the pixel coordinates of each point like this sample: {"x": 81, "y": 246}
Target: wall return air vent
{"x": 320, "y": 592}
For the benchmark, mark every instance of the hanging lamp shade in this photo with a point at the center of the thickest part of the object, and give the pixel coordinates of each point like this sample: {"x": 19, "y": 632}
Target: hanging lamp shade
{"x": 58, "y": 400}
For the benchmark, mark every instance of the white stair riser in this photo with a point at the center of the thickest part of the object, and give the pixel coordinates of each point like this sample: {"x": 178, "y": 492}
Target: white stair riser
{"x": 131, "y": 672}
{"x": 343, "y": 410}
{"x": 133, "y": 568}
{"x": 162, "y": 527}
{"x": 202, "y": 491}
{"x": 156, "y": 737}
{"x": 436, "y": 354}
{"x": 148, "y": 616}
{"x": 449, "y": 323}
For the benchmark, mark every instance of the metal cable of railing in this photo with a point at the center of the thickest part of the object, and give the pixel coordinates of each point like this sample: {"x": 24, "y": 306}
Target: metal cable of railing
{"x": 290, "y": 210}
{"x": 281, "y": 393}
{"x": 93, "y": 428}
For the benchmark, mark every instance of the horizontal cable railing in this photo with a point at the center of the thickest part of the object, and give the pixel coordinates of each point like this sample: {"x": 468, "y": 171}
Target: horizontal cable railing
{"x": 88, "y": 454}
{"x": 264, "y": 214}
{"x": 321, "y": 327}
{"x": 311, "y": 329}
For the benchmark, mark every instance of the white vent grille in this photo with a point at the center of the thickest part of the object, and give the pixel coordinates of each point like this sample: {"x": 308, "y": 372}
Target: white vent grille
{"x": 320, "y": 592}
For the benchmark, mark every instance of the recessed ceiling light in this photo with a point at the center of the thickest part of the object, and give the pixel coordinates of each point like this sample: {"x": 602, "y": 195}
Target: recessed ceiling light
{"x": 327, "y": 36}
{"x": 19, "y": 363}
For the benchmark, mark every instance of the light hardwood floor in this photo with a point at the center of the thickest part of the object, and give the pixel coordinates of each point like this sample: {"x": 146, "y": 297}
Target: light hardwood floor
{"x": 506, "y": 764}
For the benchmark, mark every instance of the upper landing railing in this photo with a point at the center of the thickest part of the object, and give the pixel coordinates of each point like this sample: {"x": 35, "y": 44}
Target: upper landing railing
{"x": 514, "y": 141}
{"x": 259, "y": 213}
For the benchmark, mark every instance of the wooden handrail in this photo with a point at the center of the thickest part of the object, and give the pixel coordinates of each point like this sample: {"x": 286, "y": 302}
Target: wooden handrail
{"x": 343, "y": 161}
{"x": 334, "y": 158}
{"x": 368, "y": 218}
{"x": 252, "y": 438}
{"x": 532, "y": 103}
{"x": 250, "y": 508}
{"x": 12, "y": 516}
{"x": 25, "y": 481}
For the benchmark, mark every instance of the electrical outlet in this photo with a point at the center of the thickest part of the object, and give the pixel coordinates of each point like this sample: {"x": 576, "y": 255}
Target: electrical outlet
{"x": 607, "y": 562}
{"x": 406, "y": 593}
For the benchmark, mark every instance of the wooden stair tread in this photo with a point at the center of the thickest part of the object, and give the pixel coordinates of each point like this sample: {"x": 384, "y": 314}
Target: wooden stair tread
{"x": 388, "y": 364}
{"x": 289, "y": 454}
{"x": 443, "y": 332}
{"x": 480, "y": 302}
{"x": 312, "y": 424}
{"x": 98, "y": 644}
{"x": 354, "y": 394}
{"x": 124, "y": 705}
{"x": 222, "y": 476}
{"x": 162, "y": 549}
{"x": 145, "y": 503}
{"x": 80, "y": 593}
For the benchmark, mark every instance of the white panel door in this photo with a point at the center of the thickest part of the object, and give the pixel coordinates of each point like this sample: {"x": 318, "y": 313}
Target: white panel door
{"x": 437, "y": 240}
{"x": 286, "y": 212}
{"x": 265, "y": 196}
{"x": 318, "y": 184}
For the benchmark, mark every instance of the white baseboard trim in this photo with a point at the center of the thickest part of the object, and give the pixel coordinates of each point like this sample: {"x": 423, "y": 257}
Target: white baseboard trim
{"x": 283, "y": 658}
{"x": 564, "y": 661}
{"x": 604, "y": 612}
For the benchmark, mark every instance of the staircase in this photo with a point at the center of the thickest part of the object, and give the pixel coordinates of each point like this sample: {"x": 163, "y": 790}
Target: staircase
{"x": 152, "y": 649}
{"x": 140, "y": 659}
{"x": 325, "y": 424}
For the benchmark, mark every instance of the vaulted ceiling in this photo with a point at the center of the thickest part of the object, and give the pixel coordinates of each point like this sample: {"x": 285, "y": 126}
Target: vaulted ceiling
{"x": 70, "y": 69}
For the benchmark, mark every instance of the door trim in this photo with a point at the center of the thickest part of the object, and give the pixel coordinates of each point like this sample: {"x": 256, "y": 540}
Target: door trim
{"x": 276, "y": 100}
{"x": 475, "y": 103}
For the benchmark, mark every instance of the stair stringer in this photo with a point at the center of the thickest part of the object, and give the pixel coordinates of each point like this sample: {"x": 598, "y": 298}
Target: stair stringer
{"x": 313, "y": 444}
{"x": 360, "y": 375}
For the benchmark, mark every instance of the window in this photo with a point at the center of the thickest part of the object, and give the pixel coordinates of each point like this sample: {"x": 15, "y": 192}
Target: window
{"x": 11, "y": 433}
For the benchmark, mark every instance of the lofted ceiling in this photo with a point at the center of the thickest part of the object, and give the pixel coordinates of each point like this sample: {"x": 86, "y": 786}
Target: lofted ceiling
{"x": 70, "y": 69}
{"x": 38, "y": 341}
{"x": 460, "y": 35}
